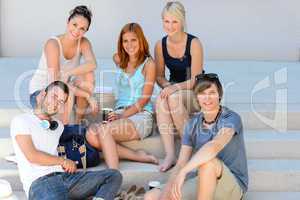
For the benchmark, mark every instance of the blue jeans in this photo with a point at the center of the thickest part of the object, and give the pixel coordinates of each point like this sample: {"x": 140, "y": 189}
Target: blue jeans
{"x": 103, "y": 184}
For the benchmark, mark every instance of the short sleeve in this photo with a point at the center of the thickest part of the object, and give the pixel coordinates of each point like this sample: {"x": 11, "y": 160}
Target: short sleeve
{"x": 19, "y": 126}
{"x": 188, "y": 132}
{"x": 231, "y": 120}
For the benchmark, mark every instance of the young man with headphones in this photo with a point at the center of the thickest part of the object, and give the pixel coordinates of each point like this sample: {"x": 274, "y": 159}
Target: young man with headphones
{"x": 44, "y": 175}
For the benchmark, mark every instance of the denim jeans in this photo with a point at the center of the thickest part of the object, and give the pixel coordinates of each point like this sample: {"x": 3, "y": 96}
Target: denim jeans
{"x": 102, "y": 184}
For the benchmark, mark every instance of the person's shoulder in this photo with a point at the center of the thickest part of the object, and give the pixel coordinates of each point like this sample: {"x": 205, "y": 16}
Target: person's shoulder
{"x": 85, "y": 43}
{"x": 149, "y": 62}
{"x": 195, "y": 42}
{"x": 23, "y": 116}
{"x": 22, "y": 119}
{"x": 51, "y": 44}
{"x": 158, "y": 45}
{"x": 227, "y": 113}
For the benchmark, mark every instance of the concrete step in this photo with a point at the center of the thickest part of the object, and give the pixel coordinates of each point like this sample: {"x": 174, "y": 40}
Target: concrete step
{"x": 265, "y": 116}
{"x": 264, "y": 175}
{"x": 259, "y": 144}
{"x": 249, "y": 195}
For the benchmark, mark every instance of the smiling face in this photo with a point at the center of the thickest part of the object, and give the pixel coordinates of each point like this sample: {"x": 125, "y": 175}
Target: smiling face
{"x": 53, "y": 100}
{"x": 209, "y": 99}
{"x": 76, "y": 27}
{"x": 172, "y": 24}
{"x": 130, "y": 43}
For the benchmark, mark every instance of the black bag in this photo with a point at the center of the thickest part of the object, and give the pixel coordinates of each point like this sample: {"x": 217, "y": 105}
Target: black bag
{"x": 73, "y": 145}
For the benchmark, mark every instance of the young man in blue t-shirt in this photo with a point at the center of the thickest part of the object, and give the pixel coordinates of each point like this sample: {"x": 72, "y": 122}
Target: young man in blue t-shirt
{"x": 216, "y": 136}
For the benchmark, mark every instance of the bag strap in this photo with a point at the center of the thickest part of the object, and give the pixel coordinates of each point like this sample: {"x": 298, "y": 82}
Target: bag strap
{"x": 82, "y": 150}
{"x": 61, "y": 151}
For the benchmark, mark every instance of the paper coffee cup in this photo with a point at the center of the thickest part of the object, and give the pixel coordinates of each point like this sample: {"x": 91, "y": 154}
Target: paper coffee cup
{"x": 154, "y": 184}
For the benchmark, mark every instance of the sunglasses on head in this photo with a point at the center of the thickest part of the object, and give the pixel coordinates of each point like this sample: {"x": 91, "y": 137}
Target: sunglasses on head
{"x": 206, "y": 76}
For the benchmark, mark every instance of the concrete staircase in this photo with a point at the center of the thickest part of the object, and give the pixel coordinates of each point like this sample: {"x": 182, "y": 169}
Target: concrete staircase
{"x": 264, "y": 93}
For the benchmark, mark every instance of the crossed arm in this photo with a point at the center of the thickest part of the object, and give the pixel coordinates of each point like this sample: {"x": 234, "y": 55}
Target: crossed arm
{"x": 184, "y": 164}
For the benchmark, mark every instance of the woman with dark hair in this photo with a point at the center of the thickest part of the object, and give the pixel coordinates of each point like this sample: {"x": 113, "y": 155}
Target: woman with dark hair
{"x": 182, "y": 54}
{"x": 216, "y": 136}
{"x": 132, "y": 118}
{"x": 61, "y": 61}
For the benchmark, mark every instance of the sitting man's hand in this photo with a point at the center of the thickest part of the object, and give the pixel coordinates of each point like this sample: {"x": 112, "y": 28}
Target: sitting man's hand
{"x": 69, "y": 166}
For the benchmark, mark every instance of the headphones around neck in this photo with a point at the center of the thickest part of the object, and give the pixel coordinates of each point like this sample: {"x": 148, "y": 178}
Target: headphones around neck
{"x": 47, "y": 124}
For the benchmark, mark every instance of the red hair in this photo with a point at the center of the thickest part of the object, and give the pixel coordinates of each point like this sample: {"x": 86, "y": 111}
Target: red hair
{"x": 143, "y": 52}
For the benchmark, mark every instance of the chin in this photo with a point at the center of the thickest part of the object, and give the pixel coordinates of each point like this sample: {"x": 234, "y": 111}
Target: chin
{"x": 209, "y": 108}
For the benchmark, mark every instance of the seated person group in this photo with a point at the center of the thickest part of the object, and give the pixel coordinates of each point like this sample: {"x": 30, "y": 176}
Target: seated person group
{"x": 212, "y": 159}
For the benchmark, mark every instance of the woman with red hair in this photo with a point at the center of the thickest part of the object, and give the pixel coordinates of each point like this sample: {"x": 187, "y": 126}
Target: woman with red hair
{"x": 132, "y": 118}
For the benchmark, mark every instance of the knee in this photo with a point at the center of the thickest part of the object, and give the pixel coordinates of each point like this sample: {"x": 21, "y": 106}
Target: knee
{"x": 93, "y": 136}
{"x": 116, "y": 176}
{"x": 173, "y": 99}
{"x": 90, "y": 77}
{"x": 161, "y": 105}
{"x": 159, "y": 102}
{"x": 212, "y": 167}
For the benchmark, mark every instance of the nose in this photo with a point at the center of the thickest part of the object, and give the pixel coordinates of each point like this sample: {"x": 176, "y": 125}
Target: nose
{"x": 76, "y": 31}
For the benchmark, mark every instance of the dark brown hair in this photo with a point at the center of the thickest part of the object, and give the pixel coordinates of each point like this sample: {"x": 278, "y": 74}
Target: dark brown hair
{"x": 59, "y": 84}
{"x": 205, "y": 83}
{"x": 81, "y": 11}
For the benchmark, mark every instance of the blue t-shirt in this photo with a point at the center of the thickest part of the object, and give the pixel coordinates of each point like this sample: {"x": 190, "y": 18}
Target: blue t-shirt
{"x": 233, "y": 154}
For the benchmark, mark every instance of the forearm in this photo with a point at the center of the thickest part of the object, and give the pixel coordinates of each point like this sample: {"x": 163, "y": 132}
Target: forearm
{"x": 203, "y": 155}
{"x": 79, "y": 92}
{"x": 162, "y": 82}
{"x": 172, "y": 177}
{"x": 44, "y": 159}
{"x": 82, "y": 69}
{"x": 186, "y": 85}
{"x": 135, "y": 108}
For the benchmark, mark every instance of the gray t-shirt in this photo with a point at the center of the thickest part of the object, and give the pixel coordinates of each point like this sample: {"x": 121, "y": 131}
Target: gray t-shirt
{"x": 233, "y": 154}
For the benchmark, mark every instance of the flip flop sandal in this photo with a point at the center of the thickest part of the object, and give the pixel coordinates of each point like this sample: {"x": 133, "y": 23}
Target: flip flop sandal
{"x": 123, "y": 195}
{"x": 140, "y": 191}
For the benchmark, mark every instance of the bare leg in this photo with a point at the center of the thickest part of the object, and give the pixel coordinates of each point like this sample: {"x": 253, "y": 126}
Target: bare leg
{"x": 179, "y": 112}
{"x": 106, "y": 136}
{"x": 207, "y": 181}
{"x": 67, "y": 109}
{"x": 86, "y": 83}
{"x": 166, "y": 129}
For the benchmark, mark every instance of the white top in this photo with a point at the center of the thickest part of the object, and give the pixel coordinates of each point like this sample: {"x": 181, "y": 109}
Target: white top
{"x": 39, "y": 80}
{"x": 43, "y": 140}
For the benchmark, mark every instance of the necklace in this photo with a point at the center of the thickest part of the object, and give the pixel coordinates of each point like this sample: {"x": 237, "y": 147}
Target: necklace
{"x": 216, "y": 118}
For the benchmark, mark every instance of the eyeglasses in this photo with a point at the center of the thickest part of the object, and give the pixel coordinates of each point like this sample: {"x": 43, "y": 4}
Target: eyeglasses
{"x": 206, "y": 76}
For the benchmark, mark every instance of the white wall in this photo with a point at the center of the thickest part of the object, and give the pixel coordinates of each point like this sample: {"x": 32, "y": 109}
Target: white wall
{"x": 229, "y": 29}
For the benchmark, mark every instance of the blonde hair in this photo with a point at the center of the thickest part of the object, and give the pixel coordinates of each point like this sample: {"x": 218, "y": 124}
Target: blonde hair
{"x": 176, "y": 9}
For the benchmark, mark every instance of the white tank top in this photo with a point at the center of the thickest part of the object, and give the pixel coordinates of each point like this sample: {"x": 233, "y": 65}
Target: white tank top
{"x": 40, "y": 79}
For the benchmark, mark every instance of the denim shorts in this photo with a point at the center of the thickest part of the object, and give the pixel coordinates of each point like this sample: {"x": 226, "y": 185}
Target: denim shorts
{"x": 32, "y": 98}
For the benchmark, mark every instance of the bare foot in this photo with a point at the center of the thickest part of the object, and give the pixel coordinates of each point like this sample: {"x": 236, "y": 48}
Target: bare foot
{"x": 148, "y": 158}
{"x": 167, "y": 164}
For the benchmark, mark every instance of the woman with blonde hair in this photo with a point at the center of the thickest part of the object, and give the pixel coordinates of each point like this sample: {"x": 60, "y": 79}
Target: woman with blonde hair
{"x": 132, "y": 117}
{"x": 182, "y": 54}
{"x": 61, "y": 61}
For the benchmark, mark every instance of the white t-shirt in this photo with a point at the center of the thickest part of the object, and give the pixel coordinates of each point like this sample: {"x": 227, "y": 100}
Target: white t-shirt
{"x": 43, "y": 140}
